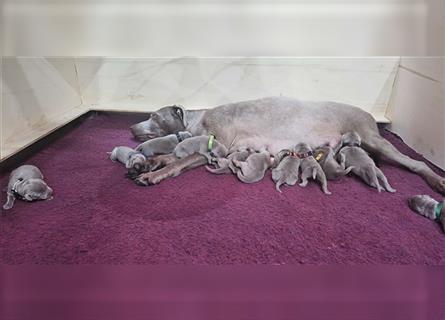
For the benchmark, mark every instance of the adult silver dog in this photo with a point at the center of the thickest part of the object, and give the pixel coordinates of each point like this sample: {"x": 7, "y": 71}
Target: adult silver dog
{"x": 275, "y": 123}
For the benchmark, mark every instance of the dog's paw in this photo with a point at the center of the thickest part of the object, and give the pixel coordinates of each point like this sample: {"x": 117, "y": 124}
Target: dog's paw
{"x": 148, "y": 179}
{"x": 438, "y": 184}
{"x": 141, "y": 182}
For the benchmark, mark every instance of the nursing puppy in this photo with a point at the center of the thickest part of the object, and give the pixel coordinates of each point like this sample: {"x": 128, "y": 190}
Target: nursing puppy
{"x": 127, "y": 156}
{"x": 226, "y": 165}
{"x": 286, "y": 172}
{"x": 352, "y": 155}
{"x": 310, "y": 167}
{"x": 331, "y": 168}
{"x": 26, "y": 183}
{"x": 254, "y": 167}
{"x": 162, "y": 145}
{"x": 428, "y": 207}
{"x": 207, "y": 146}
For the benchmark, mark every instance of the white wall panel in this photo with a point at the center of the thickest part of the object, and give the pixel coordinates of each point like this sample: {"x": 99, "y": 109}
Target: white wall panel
{"x": 38, "y": 95}
{"x": 147, "y": 84}
{"x": 417, "y": 107}
{"x": 223, "y": 28}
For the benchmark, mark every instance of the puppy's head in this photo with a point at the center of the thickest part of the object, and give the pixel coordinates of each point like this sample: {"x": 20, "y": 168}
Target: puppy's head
{"x": 351, "y": 139}
{"x": 184, "y": 134}
{"x": 420, "y": 203}
{"x": 36, "y": 189}
{"x": 142, "y": 167}
{"x": 302, "y": 148}
{"x": 280, "y": 155}
{"x": 135, "y": 159}
{"x": 219, "y": 151}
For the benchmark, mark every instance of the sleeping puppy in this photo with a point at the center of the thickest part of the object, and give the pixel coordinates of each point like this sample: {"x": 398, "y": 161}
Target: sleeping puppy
{"x": 352, "y": 155}
{"x": 162, "y": 145}
{"x": 331, "y": 168}
{"x": 127, "y": 156}
{"x": 26, "y": 183}
{"x": 310, "y": 167}
{"x": 428, "y": 207}
{"x": 286, "y": 172}
{"x": 207, "y": 146}
{"x": 254, "y": 167}
{"x": 226, "y": 165}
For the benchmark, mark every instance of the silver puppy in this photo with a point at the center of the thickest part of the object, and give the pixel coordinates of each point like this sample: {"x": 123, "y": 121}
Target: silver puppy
{"x": 163, "y": 145}
{"x": 26, "y": 183}
{"x": 226, "y": 165}
{"x": 428, "y": 207}
{"x": 287, "y": 170}
{"x": 127, "y": 156}
{"x": 331, "y": 168}
{"x": 254, "y": 167}
{"x": 352, "y": 155}
{"x": 207, "y": 146}
{"x": 310, "y": 167}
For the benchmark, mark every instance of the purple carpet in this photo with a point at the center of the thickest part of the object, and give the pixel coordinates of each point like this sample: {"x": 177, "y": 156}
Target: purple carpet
{"x": 100, "y": 217}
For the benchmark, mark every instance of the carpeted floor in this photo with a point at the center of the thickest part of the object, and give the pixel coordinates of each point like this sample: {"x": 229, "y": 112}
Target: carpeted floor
{"x": 100, "y": 217}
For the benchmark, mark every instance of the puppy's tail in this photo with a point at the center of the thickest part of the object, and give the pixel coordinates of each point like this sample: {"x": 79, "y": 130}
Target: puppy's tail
{"x": 347, "y": 170}
{"x": 314, "y": 173}
{"x": 112, "y": 155}
{"x": 339, "y": 172}
{"x": 220, "y": 170}
{"x": 278, "y": 184}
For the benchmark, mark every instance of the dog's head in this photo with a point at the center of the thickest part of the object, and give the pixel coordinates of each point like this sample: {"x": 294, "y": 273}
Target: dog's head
{"x": 165, "y": 121}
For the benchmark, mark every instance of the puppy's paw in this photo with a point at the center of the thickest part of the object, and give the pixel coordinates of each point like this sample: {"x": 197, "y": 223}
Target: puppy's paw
{"x": 7, "y": 206}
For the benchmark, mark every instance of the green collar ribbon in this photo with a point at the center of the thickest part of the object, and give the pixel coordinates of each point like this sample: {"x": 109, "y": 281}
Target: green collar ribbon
{"x": 210, "y": 143}
{"x": 438, "y": 209}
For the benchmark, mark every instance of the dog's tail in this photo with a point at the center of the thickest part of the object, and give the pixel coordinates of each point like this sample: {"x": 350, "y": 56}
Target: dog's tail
{"x": 314, "y": 173}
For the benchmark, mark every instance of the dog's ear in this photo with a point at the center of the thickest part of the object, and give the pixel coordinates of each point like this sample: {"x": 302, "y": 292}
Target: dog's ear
{"x": 179, "y": 111}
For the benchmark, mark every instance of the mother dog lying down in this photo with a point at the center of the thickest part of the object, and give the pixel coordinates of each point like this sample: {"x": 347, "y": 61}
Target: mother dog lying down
{"x": 275, "y": 123}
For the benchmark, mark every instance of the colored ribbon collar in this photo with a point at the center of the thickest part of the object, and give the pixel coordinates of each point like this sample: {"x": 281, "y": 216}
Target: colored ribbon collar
{"x": 14, "y": 190}
{"x": 300, "y": 155}
{"x": 304, "y": 155}
{"x": 178, "y": 136}
{"x": 210, "y": 142}
{"x": 438, "y": 210}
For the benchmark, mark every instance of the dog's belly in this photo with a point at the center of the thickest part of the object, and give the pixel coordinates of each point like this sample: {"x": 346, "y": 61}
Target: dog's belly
{"x": 275, "y": 145}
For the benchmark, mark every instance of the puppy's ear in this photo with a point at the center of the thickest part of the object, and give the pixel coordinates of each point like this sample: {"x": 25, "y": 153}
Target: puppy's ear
{"x": 280, "y": 155}
{"x": 179, "y": 111}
